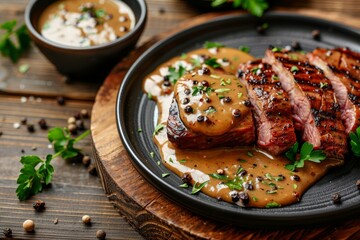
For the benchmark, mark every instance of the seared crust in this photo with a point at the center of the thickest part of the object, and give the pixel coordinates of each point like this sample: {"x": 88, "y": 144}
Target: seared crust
{"x": 271, "y": 107}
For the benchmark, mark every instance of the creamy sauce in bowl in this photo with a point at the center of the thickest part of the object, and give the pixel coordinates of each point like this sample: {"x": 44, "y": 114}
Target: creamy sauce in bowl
{"x": 84, "y": 23}
{"x": 246, "y": 176}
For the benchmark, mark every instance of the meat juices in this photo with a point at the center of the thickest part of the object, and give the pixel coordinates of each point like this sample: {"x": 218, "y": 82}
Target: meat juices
{"x": 316, "y": 112}
{"x": 271, "y": 107}
{"x": 209, "y": 111}
{"x": 342, "y": 68}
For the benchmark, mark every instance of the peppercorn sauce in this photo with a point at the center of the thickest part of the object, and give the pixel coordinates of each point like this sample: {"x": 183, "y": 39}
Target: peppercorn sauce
{"x": 83, "y": 23}
{"x": 224, "y": 171}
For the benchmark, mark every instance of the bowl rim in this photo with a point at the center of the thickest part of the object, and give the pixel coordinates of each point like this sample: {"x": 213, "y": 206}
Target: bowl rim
{"x": 138, "y": 27}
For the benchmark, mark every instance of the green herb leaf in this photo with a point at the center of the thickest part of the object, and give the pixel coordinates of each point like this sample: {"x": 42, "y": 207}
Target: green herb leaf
{"x": 24, "y": 68}
{"x": 273, "y": 205}
{"x": 183, "y": 55}
{"x": 195, "y": 62}
{"x": 8, "y": 47}
{"x": 197, "y": 188}
{"x": 355, "y": 142}
{"x": 276, "y": 49}
{"x": 250, "y": 154}
{"x": 164, "y": 175}
{"x": 184, "y": 185}
{"x": 212, "y": 63}
{"x": 208, "y": 45}
{"x": 255, "y": 7}
{"x": 174, "y": 74}
{"x": 323, "y": 85}
{"x": 222, "y": 90}
{"x": 158, "y": 128}
{"x": 218, "y": 176}
{"x": 294, "y": 69}
{"x": 274, "y": 77}
{"x": 244, "y": 49}
{"x": 210, "y": 110}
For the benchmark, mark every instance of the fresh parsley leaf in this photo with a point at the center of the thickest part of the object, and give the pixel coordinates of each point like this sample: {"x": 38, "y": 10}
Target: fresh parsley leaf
{"x": 255, "y": 7}
{"x": 222, "y": 90}
{"x": 294, "y": 69}
{"x": 183, "y": 55}
{"x": 276, "y": 49}
{"x": 235, "y": 184}
{"x": 197, "y": 188}
{"x": 355, "y": 142}
{"x": 195, "y": 62}
{"x": 244, "y": 49}
{"x": 158, "y": 128}
{"x": 306, "y": 154}
{"x": 217, "y": 3}
{"x": 210, "y": 110}
{"x": 323, "y": 85}
{"x": 174, "y": 74}
{"x": 208, "y": 45}
{"x": 273, "y": 205}
{"x": 184, "y": 185}
{"x": 9, "y": 48}
{"x": 212, "y": 63}
{"x": 164, "y": 175}
{"x": 218, "y": 176}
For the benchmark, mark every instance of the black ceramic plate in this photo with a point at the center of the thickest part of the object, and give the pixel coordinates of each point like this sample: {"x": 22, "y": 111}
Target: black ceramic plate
{"x": 135, "y": 111}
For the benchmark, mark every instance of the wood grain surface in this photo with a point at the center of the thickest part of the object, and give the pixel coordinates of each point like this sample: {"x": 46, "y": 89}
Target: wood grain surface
{"x": 150, "y": 212}
{"x": 74, "y": 192}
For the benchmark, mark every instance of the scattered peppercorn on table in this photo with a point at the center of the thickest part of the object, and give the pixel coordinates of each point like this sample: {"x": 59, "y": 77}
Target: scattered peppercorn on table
{"x": 34, "y": 97}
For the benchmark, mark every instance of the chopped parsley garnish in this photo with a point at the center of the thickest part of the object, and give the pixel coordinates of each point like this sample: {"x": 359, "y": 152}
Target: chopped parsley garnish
{"x": 182, "y": 160}
{"x": 274, "y": 77}
{"x": 158, "y": 128}
{"x": 195, "y": 62}
{"x": 218, "y": 176}
{"x": 174, "y": 74}
{"x": 212, "y": 63}
{"x": 250, "y": 154}
{"x": 239, "y": 170}
{"x": 152, "y": 154}
{"x": 293, "y": 56}
{"x": 184, "y": 185}
{"x": 235, "y": 184}
{"x": 240, "y": 95}
{"x": 196, "y": 188}
{"x": 149, "y": 96}
{"x": 294, "y": 69}
{"x": 273, "y": 205}
{"x": 244, "y": 49}
{"x": 158, "y": 163}
{"x": 210, "y": 110}
{"x": 306, "y": 154}
{"x": 164, "y": 175}
{"x": 170, "y": 160}
{"x": 139, "y": 130}
{"x": 254, "y": 70}
{"x": 271, "y": 191}
{"x": 183, "y": 55}
{"x": 222, "y": 90}
{"x": 255, "y": 199}
{"x": 255, "y": 7}
{"x": 209, "y": 44}
{"x": 242, "y": 160}
{"x": 276, "y": 49}
{"x": 323, "y": 85}
{"x": 355, "y": 142}
{"x": 215, "y": 76}
{"x": 200, "y": 89}
{"x": 295, "y": 186}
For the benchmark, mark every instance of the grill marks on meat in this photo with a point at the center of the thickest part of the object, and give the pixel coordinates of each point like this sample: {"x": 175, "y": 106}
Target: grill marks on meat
{"x": 316, "y": 111}
{"x": 271, "y": 107}
{"x": 342, "y": 68}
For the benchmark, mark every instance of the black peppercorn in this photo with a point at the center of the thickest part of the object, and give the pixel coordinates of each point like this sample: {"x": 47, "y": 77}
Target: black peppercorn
{"x": 227, "y": 99}
{"x": 43, "y": 124}
{"x": 30, "y": 128}
{"x": 186, "y": 101}
{"x": 200, "y": 118}
{"x": 80, "y": 125}
{"x": 235, "y": 196}
{"x": 60, "y": 100}
{"x": 242, "y": 173}
{"x": 187, "y": 91}
{"x": 205, "y": 83}
{"x": 100, "y": 234}
{"x": 296, "y": 46}
{"x": 358, "y": 184}
{"x": 39, "y": 205}
{"x": 188, "y": 109}
{"x": 295, "y": 178}
{"x": 249, "y": 186}
{"x": 23, "y": 121}
{"x": 336, "y": 198}
{"x": 167, "y": 83}
{"x": 247, "y": 103}
{"x": 205, "y": 70}
{"x": 7, "y": 232}
{"x": 208, "y": 100}
{"x": 240, "y": 73}
{"x": 1, "y": 133}
{"x": 244, "y": 198}
{"x": 316, "y": 34}
{"x": 259, "y": 179}
{"x": 92, "y": 170}
{"x": 236, "y": 113}
{"x": 186, "y": 178}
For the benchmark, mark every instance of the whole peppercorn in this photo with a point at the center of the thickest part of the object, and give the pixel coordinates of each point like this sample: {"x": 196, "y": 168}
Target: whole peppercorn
{"x": 296, "y": 46}
{"x": 30, "y": 128}
{"x": 72, "y": 128}
{"x": 205, "y": 83}
{"x": 1, "y": 133}
{"x": 60, "y": 100}
{"x": 186, "y": 178}
{"x": 100, "y": 234}
{"x": 92, "y": 170}
{"x": 249, "y": 186}
{"x": 71, "y": 120}
{"x": 187, "y": 91}
{"x": 43, "y": 124}
{"x": 80, "y": 125}
{"x": 236, "y": 113}
{"x": 244, "y": 198}
{"x": 336, "y": 198}
{"x": 235, "y": 197}
{"x": 7, "y": 232}
{"x": 185, "y": 101}
{"x": 29, "y": 225}
{"x": 84, "y": 113}
{"x": 227, "y": 99}
{"x": 86, "y": 219}
{"x": 295, "y": 178}
{"x": 200, "y": 118}
{"x": 23, "y": 121}
{"x": 39, "y": 205}
{"x": 77, "y": 116}
{"x": 358, "y": 184}
{"x": 205, "y": 70}
{"x": 316, "y": 34}
{"x": 188, "y": 109}
{"x": 86, "y": 160}
{"x": 242, "y": 173}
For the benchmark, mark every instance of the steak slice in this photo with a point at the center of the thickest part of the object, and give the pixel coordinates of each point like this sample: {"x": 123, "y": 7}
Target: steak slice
{"x": 210, "y": 111}
{"x": 342, "y": 68}
{"x": 316, "y": 111}
{"x": 271, "y": 107}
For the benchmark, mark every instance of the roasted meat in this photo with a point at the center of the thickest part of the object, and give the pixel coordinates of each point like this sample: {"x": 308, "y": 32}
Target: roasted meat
{"x": 271, "y": 107}
{"x": 210, "y": 111}
{"x": 315, "y": 109}
{"x": 342, "y": 67}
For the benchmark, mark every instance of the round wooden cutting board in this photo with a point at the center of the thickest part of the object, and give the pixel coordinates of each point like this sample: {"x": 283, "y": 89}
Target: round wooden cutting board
{"x": 146, "y": 209}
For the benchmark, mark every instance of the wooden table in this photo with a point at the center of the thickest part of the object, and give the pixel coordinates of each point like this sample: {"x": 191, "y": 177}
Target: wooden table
{"x": 74, "y": 192}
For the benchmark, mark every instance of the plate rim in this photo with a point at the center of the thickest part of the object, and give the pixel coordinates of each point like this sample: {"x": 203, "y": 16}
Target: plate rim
{"x": 256, "y": 219}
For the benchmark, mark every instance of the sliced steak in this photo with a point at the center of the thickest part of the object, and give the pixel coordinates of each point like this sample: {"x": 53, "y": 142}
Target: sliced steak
{"x": 210, "y": 111}
{"x": 316, "y": 112}
{"x": 271, "y": 107}
{"x": 342, "y": 68}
